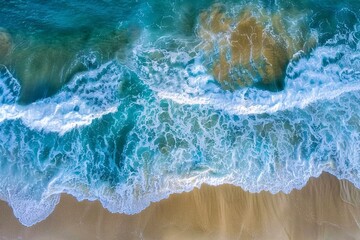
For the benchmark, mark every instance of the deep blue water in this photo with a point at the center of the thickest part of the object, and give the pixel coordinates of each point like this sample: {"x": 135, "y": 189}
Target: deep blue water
{"x": 117, "y": 101}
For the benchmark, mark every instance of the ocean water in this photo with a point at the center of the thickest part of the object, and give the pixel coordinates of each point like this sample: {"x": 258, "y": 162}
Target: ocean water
{"x": 126, "y": 102}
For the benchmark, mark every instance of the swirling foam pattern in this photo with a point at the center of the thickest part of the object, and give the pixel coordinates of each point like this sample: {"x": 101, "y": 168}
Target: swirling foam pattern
{"x": 156, "y": 122}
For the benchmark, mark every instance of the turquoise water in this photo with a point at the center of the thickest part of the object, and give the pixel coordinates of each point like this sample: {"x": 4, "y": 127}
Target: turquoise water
{"x": 117, "y": 101}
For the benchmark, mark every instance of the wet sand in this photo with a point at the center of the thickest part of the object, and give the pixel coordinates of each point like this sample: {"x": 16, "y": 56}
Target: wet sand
{"x": 325, "y": 208}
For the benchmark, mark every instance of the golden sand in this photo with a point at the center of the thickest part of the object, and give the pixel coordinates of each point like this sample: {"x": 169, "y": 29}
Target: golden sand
{"x": 325, "y": 208}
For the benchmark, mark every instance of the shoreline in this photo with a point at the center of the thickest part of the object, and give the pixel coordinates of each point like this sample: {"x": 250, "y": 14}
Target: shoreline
{"x": 326, "y": 208}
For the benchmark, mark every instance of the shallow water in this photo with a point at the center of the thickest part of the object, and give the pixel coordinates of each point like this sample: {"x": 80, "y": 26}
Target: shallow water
{"x": 126, "y": 101}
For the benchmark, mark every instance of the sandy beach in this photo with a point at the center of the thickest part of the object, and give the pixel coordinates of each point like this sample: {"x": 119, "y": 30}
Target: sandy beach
{"x": 325, "y": 208}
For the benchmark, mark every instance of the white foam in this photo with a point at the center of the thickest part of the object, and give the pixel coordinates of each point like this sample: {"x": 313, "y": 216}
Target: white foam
{"x": 87, "y": 97}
